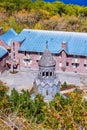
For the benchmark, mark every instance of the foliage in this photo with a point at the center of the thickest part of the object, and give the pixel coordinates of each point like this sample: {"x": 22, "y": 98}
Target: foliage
{"x": 19, "y": 111}
{"x": 64, "y": 85}
{"x": 21, "y": 14}
{"x": 3, "y": 90}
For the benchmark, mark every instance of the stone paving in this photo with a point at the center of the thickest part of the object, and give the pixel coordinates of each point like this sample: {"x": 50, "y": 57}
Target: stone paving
{"x": 24, "y": 79}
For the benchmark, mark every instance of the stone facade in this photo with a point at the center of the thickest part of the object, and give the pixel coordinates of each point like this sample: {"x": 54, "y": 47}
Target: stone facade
{"x": 64, "y": 62}
{"x": 3, "y": 65}
{"x": 46, "y": 83}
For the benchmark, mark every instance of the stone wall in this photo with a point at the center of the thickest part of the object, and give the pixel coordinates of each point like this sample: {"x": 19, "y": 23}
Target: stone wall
{"x": 64, "y": 62}
{"x": 3, "y": 65}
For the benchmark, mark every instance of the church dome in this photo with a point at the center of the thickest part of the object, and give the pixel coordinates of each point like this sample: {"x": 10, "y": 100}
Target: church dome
{"x": 47, "y": 59}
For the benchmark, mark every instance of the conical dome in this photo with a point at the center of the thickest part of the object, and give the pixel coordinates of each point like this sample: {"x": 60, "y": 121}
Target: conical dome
{"x": 47, "y": 59}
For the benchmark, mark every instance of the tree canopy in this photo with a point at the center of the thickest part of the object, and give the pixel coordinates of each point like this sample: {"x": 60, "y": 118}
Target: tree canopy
{"x": 19, "y": 111}
{"x": 21, "y": 14}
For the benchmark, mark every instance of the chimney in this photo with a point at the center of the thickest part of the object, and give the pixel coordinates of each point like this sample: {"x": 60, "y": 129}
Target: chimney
{"x": 63, "y": 45}
{"x": 1, "y": 29}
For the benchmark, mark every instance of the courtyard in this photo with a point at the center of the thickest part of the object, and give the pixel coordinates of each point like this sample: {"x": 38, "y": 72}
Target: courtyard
{"x": 24, "y": 79}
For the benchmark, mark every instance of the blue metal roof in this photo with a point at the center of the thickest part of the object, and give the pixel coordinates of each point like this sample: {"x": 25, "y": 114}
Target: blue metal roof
{"x": 35, "y": 41}
{"x": 8, "y": 36}
{"x": 20, "y": 37}
{"x": 3, "y": 51}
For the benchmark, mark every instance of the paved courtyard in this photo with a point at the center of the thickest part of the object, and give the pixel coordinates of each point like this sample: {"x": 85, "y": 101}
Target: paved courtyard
{"x": 24, "y": 79}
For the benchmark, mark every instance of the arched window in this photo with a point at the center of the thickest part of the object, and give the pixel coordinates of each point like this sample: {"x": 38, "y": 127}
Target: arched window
{"x": 50, "y": 73}
{"x": 47, "y": 74}
{"x": 46, "y": 92}
{"x": 43, "y": 73}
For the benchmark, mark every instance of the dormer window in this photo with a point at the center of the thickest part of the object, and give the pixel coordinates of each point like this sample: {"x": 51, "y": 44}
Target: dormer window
{"x": 63, "y": 45}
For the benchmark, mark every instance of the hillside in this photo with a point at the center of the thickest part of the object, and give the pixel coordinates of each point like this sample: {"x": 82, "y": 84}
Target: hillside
{"x": 41, "y": 15}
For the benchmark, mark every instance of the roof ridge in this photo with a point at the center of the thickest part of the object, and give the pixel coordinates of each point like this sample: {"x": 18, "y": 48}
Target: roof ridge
{"x": 53, "y": 31}
{"x": 3, "y": 48}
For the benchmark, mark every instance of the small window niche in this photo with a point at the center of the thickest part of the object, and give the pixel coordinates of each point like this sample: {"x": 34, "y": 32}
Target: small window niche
{"x": 67, "y": 63}
{"x": 50, "y": 73}
{"x": 47, "y": 74}
{"x": 46, "y": 92}
{"x": 43, "y": 74}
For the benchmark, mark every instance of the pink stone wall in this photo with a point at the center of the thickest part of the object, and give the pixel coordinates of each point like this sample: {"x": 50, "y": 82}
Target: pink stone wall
{"x": 61, "y": 60}
{"x": 80, "y": 60}
{"x": 33, "y": 60}
{"x": 3, "y": 65}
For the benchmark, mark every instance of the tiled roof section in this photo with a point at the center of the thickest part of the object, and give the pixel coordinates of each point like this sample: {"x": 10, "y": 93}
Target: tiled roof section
{"x": 3, "y": 51}
{"x": 8, "y": 36}
{"x": 20, "y": 37}
{"x": 35, "y": 41}
{"x": 47, "y": 59}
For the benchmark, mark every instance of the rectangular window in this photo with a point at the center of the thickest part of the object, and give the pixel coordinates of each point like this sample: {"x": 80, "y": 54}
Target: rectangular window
{"x": 50, "y": 73}
{"x": 37, "y": 60}
{"x": 67, "y": 63}
{"x": 43, "y": 73}
{"x": 75, "y": 65}
{"x": 85, "y": 65}
{"x": 60, "y": 64}
{"x": 47, "y": 74}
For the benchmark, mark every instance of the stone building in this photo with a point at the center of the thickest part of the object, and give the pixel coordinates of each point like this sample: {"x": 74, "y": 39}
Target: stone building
{"x": 69, "y": 49}
{"x": 3, "y": 58}
{"x": 5, "y": 48}
{"x": 47, "y": 83}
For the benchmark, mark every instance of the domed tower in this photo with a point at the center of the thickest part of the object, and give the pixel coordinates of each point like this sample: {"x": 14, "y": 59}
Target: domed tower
{"x": 46, "y": 83}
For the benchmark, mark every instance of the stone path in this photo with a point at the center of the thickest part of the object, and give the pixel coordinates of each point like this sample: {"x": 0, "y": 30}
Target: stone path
{"x": 67, "y": 91}
{"x": 24, "y": 79}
